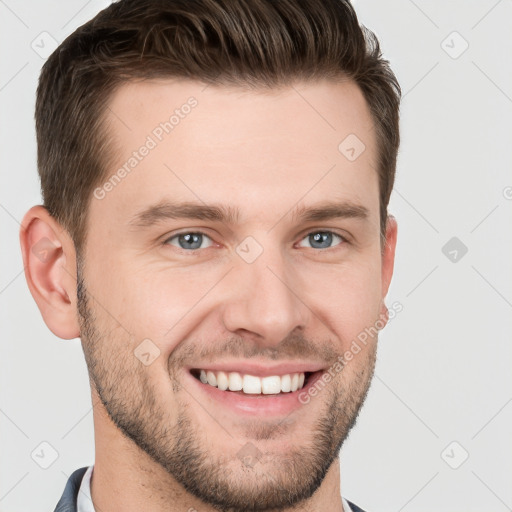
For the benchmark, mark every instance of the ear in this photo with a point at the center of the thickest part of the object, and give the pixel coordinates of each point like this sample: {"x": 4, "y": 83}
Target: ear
{"x": 49, "y": 261}
{"x": 388, "y": 261}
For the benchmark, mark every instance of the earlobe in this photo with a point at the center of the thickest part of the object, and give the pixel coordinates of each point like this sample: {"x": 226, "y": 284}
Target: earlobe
{"x": 49, "y": 261}
{"x": 384, "y": 313}
{"x": 388, "y": 256}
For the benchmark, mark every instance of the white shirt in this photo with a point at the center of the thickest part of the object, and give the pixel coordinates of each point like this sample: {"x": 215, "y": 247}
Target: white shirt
{"x": 84, "y": 501}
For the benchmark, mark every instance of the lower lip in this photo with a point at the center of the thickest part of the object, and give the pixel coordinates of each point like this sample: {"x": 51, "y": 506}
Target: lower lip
{"x": 260, "y": 404}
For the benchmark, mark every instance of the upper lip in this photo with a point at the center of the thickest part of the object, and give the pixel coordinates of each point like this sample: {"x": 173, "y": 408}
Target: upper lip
{"x": 259, "y": 369}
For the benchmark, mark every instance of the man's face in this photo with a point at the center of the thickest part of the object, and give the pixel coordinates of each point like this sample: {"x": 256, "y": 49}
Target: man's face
{"x": 265, "y": 293}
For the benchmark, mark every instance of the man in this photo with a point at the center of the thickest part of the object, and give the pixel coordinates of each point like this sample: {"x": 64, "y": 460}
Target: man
{"x": 215, "y": 178}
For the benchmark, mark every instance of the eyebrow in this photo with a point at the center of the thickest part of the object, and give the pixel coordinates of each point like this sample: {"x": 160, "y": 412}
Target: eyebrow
{"x": 230, "y": 215}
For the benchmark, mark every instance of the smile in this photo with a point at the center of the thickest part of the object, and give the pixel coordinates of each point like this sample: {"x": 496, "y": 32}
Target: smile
{"x": 251, "y": 384}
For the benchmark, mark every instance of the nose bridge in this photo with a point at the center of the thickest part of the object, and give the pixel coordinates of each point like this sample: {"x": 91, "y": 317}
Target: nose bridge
{"x": 263, "y": 296}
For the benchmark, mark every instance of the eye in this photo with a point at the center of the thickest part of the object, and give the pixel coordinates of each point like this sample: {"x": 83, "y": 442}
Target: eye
{"x": 322, "y": 239}
{"x": 193, "y": 240}
{"x": 190, "y": 240}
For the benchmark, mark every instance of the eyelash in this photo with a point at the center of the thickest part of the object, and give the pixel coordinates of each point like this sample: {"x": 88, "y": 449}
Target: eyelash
{"x": 166, "y": 242}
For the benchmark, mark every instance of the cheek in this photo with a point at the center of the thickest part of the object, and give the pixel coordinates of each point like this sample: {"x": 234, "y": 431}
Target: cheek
{"x": 350, "y": 295}
{"x": 155, "y": 302}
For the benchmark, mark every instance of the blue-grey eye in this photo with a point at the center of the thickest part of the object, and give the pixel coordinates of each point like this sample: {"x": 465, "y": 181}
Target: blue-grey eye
{"x": 189, "y": 240}
{"x": 321, "y": 239}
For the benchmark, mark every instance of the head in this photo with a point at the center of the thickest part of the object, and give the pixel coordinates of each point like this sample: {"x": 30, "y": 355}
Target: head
{"x": 216, "y": 178}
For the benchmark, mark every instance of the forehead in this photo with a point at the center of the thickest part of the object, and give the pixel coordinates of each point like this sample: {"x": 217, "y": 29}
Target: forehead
{"x": 255, "y": 149}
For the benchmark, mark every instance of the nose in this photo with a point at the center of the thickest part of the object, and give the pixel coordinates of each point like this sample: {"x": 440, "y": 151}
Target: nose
{"x": 265, "y": 298}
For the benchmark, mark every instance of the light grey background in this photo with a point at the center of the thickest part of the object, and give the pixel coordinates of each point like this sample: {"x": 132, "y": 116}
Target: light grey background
{"x": 443, "y": 372}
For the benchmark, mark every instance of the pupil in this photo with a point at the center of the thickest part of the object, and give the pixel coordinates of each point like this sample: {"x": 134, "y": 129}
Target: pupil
{"x": 190, "y": 238}
{"x": 321, "y": 237}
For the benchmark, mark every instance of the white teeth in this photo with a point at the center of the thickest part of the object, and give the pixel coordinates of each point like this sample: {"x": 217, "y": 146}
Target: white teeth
{"x": 295, "y": 381}
{"x": 235, "y": 381}
{"x": 251, "y": 384}
{"x": 222, "y": 381}
{"x": 286, "y": 383}
{"x": 212, "y": 380}
{"x": 271, "y": 385}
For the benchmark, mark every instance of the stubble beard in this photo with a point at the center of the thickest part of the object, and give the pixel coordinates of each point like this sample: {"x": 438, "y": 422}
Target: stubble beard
{"x": 273, "y": 482}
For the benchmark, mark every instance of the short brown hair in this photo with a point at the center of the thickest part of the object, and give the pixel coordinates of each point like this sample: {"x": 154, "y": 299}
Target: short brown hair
{"x": 251, "y": 43}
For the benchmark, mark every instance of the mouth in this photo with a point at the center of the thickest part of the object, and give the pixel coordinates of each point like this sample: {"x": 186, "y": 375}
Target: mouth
{"x": 247, "y": 395}
{"x": 255, "y": 390}
{"x": 252, "y": 385}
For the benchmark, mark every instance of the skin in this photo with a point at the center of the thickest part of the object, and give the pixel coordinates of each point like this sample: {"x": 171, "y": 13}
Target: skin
{"x": 161, "y": 444}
